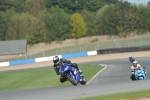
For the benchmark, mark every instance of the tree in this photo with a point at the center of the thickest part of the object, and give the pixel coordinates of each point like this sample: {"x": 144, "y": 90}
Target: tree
{"x": 107, "y": 20}
{"x": 119, "y": 19}
{"x": 111, "y": 1}
{"x": 73, "y": 6}
{"x": 40, "y": 33}
{"x": 148, "y": 3}
{"x": 68, "y": 5}
{"x": 3, "y": 26}
{"x": 57, "y": 23}
{"x": 16, "y": 5}
{"x": 144, "y": 13}
{"x": 90, "y": 21}
{"x": 6, "y": 5}
{"x": 94, "y": 5}
{"x": 34, "y": 6}
{"x": 26, "y": 26}
{"x": 78, "y": 26}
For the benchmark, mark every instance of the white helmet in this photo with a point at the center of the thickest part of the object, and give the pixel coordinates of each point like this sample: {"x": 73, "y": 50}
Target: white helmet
{"x": 135, "y": 62}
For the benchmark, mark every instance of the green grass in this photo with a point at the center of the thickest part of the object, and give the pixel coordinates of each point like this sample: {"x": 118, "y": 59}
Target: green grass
{"x": 122, "y": 96}
{"x": 39, "y": 78}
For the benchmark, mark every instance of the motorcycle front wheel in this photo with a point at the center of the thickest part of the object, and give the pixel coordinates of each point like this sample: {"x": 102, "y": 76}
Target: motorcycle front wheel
{"x": 71, "y": 79}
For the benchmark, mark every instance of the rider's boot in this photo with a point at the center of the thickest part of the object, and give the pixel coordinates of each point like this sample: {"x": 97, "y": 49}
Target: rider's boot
{"x": 80, "y": 71}
{"x": 145, "y": 72}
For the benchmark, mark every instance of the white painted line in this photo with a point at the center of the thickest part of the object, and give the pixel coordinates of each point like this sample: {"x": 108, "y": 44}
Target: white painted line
{"x": 97, "y": 73}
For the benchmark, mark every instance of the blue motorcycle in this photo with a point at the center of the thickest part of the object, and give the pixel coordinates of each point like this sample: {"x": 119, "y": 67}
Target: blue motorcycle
{"x": 71, "y": 74}
{"x": 140, "y": 74}
{"x": 131, "y": 59}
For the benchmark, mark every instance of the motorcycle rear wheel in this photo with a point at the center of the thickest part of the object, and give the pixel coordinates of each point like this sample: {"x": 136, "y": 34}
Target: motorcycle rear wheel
{"x": 83, "y": 82}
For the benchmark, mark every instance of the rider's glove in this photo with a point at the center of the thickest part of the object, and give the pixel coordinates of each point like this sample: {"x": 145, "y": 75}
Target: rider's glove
{"x": 56, "y": 66}
{"x": 132, "y": 72}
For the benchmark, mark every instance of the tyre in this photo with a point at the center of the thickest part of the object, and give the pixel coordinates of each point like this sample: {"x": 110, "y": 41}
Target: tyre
{"x": 141, "y": 78}
{"x": 83, "y": 82}
{"x": 132, "y": 77}
{"x": 71, "y": 79}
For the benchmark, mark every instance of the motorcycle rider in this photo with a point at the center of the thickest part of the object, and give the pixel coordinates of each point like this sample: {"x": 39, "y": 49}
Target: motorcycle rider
{"x": 131, "y": 58}
{"x": 134, "y": 67}
{"x": 58, "y": 62}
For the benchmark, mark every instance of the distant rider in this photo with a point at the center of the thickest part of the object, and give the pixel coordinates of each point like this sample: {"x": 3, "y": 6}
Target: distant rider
{"x": 131, "y": 59}
{"x": 134, "y": 67}
{"x": 58, "y": 62}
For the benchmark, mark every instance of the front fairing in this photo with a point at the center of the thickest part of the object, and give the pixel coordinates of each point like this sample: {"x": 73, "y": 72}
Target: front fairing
{"x": 140, "y": 73}
{"x": 66, "y": 68}
{"x": 77, "y": 74}
{"x": 132, "y": 59}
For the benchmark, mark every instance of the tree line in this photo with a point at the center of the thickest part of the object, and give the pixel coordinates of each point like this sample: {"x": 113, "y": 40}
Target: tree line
{"x": 56, "y": 20}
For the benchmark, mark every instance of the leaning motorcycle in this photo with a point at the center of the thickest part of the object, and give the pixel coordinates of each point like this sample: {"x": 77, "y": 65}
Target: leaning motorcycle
{"x": 71, "y": 74}
{"x": 140, "y": 74}
{"x": 132, "y": 59}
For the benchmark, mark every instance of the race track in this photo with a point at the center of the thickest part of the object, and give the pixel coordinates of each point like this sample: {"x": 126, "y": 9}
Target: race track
{"x": 114, "y": 79}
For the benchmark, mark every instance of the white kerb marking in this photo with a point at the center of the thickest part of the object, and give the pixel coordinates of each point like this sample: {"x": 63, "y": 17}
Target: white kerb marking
{"x": 97, "y": 73}
{"x": 90, "y": 53}
{"x": 4, "y": 64}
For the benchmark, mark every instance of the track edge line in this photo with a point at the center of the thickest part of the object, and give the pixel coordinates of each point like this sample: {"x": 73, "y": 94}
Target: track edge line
{"x": 105, "y": 66}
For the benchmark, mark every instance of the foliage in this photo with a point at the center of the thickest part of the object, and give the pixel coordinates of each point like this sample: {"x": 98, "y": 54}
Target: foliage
{"x": 57, "y": 20}
{"x": 73, "y": 6}
{"x": 25, "y": 26}
{"x": 144, "y": 13}
{"x": 78, "y": 26}
{"x": 34, "y": 6}
{"x": 57, "y": 24}
{"x": 148, "y": 3}
{"x": 16, "y": 5}
{"x": 111, "y": 1}
{"x": 3, "y": 26}
{"x": 90, "y": 21}
{"x": 107, "y": 20}
{"x": 94, "y": 5}
{"x": 120, "y": 19}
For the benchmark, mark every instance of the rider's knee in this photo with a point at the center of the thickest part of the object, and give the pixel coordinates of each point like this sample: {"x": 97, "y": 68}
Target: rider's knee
{"x": 62, "y": 80}
{"x": 75, "y": 65}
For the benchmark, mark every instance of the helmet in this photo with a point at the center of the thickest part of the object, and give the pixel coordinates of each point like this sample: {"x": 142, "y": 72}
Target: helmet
{"x": 55, "y": 59}
{"x": 130, "y": 56}
{"x": 135, "y": 63}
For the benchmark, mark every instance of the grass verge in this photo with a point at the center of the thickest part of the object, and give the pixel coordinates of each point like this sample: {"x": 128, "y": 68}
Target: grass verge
{"x": 135, "y": 95}
{"x": 40, "y": 78}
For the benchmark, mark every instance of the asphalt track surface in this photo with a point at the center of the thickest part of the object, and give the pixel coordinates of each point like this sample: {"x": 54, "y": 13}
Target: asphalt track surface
{"x": 115, "y": 78}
